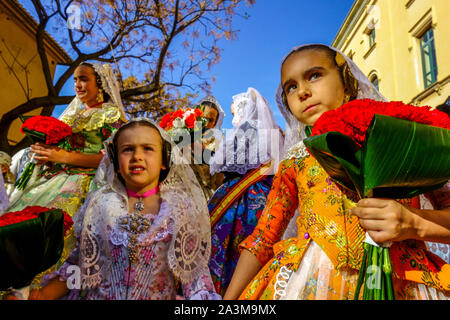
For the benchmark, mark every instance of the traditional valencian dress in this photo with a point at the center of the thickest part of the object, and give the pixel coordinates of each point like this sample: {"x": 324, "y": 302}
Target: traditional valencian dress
{"x": 239, "y": 202}
{"x": 63, "y": 186}
{"x": 323, "y": 260}
{"x": 141, "y": 255}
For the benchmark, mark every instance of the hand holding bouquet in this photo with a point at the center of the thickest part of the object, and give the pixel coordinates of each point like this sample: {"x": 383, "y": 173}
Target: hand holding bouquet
{"x": 382, "y": 150}
{"x": 48, "y": 130}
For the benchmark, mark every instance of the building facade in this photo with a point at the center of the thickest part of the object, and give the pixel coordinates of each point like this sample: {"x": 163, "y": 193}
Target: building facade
{"x": 20, "y": 65}
{"x": 402, "y": 46}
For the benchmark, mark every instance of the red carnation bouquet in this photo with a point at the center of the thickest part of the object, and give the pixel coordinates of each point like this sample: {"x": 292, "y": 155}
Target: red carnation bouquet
{"x": 48, "y": 130}
{"x": 29, "y": 213}
{"x": 183, "y": 122}
{"x": 353, "y": 118}
{"x": 382, "y": 150}
{"x": 31, "y": 241}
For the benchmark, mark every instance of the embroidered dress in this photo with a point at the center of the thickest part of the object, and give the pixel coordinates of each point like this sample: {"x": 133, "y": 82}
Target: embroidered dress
{"x": 248, "y": 156}
{"x": 63, "y": 186}
{"x": 149, "y": 277}
{"x": 236, "y": 224}
{"x": 322, "y": 262}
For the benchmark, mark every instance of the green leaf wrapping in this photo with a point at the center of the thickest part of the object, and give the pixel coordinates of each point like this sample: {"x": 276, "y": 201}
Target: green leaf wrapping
{"x": 399, "y": 159}
{"x": 30, "y": 247}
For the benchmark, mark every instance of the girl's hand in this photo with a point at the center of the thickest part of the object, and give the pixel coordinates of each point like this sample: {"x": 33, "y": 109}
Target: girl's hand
{"x": 45, "y": 153}
{"x": 386, "y": 220}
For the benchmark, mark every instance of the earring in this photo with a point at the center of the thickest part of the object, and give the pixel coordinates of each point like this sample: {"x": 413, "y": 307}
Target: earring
{"x": 346, "y": 98}
{"x": 100, "y": 96}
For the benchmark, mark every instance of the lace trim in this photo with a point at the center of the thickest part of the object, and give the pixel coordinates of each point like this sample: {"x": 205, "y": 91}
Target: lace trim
{"x": 93, "y": 120}
{"x": 297, "y": 151}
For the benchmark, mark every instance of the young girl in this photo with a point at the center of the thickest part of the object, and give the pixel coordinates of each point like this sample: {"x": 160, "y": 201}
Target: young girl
{"x": 145, "y": 229}
{"x": 322, "y": 262}
{"x": 238, "y": 203}
{"x": 66, "y": 175}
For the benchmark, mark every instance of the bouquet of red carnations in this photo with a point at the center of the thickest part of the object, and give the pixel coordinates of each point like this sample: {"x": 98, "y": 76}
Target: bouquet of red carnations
{"x": 383, "y": 150}
{"x": 48, "y": 130}
{"x": 31, "y": 241}
{"x": 182, "y": 123}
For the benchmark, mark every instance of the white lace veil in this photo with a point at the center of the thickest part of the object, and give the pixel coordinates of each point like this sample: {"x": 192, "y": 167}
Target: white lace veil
{"x": 109, "y": 84}
{"x": 189, "y": 250}
{"x": 255, "y": 139}
{"x": 295, "y": 129}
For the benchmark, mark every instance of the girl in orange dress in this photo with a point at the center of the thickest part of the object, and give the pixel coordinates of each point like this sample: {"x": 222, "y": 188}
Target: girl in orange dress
{"x": 323, "y": 261}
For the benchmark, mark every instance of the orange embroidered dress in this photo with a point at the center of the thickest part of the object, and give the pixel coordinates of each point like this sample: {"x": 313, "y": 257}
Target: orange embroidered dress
{"x": 323, "y": 261}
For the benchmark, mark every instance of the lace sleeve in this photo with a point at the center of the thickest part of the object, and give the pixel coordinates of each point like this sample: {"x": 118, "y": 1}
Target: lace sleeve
{"x": 69, "y": 271}
{"x": 201, "y": 288}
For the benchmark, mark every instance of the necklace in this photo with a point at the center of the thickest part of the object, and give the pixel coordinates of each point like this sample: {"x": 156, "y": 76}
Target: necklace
{"x": 139, "y": 205}
{"x": 135, "y": 223}
{"x": 93, "y": 106}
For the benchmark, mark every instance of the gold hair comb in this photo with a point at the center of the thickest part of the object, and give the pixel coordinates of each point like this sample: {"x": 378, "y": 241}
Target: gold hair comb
{"x": 340, "y": 60}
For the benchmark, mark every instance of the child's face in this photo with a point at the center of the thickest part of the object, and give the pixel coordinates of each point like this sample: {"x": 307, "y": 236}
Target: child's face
{"x": 85, "y": 84}
{"x": 139, "y": 152}
{"x": 312, "y": 85}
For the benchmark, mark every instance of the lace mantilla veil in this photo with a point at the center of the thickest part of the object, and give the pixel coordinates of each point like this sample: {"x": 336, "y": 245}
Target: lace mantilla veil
{"x": 254, "y": 140}
{"x": 295, "y": 130}
{"x": 190, "y": 246}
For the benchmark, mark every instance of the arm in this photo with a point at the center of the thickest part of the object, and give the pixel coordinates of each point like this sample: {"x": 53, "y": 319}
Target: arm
{"x": 46, "y": 153}
{"x": 54, "y": 290}
{"x": 246, "y": 269}
{"x": 258, "y": 247}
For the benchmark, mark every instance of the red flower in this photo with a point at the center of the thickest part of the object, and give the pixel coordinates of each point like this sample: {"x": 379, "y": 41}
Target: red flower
{"x": 29, "y": 213}
{"x": 77, "y": 141}
{"x": 54, "y": 130}
{"x": 354, "y": 118}
{"x": 166, "y": 120}
{"x": 198, "y": 112}
{"x": 190, "y": 121}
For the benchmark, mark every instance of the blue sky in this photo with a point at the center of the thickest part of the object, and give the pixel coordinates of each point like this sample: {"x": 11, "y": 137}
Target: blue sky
{"x": 253, "y": 59}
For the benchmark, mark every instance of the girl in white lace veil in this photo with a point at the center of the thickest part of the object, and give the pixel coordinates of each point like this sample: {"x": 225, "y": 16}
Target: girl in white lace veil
{"x": 316, "y": 263}
{"x": 295, "y": 130}
{"x": 179, "y": 235}
{"x": 107, "y": 82}
{"x": 254, "y": 140}
{"x": 295, "y": 133}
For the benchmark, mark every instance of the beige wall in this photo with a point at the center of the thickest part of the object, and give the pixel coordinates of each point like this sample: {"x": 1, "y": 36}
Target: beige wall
{"x": 396, "y": 57}
{"x": 17, "y": 42}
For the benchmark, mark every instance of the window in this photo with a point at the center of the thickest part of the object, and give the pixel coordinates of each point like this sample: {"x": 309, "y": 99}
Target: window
{"x": 428, "y": 53}
{"x": 375, "y": 82}
{"x": 371, "y": 35}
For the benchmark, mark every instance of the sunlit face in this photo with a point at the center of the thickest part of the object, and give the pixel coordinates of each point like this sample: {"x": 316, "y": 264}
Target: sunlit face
{"x": 85, "y": 85}
{"x": 211, "y": 116}
{"x": 139, "y": 150}
{"x": 312, "y": 85}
